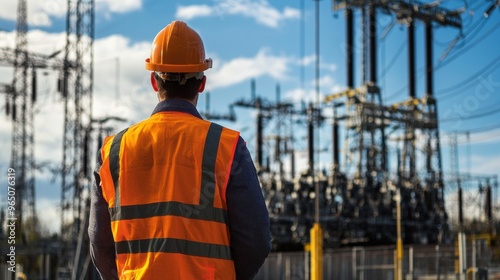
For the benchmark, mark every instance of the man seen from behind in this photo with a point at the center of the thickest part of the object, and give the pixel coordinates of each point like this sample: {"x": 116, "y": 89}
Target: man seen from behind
{"x": 176, "y": 196}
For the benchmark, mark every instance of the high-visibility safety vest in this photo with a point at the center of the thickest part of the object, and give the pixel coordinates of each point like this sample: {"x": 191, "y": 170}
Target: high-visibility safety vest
{"x": 165, "y": 180}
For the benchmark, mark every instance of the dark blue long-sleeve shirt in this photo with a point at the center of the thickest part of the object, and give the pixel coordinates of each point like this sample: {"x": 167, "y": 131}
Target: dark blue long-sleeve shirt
{"x": 247, "y": 213}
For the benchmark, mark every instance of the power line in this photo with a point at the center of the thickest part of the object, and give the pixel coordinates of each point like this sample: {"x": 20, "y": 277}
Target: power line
{"x": 474, "y": 30}
{"x": 393, "y": 60}
{"x": 450, "y": 59}
{"x": 481, "y": 115}
{"x": 486, "y": 137}
{"x": 466, "y": 49}
{"x": 481, "y": 129}
{"x": 477, "y": 131}
{"x": 478, "y": 139}
{"x": 472, "y": 77}
{"x": 470, "y": 17}
{"x": 470, "y": 82}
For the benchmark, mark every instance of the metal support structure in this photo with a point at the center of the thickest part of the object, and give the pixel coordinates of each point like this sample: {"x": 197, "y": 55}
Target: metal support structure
{"x": 20, "y": 107}
{"x": 364, "y": 44}
{"x": 260, "y": 137}
{"x": 372, "y": 14}
{"x": 310, "y": 139}
{"x": 231, "y": 116}
{"x": 404, "y": 9}
{"x": 336, "y": 144}
{"x": 488, "y": 208}
{"x": 454, "y": 161}
{"x": 363, "y": 190}
{"x": 349, "y": 18}
{"x": 364, "y": 143}
{"x": 76, "y": 89}
{"x": 265, "y": 111}
{"x": 260, "y": 126}
{"x": 411, "y": 59}
{"x": 366, "y": 121}
{"x": 429, "y": 67}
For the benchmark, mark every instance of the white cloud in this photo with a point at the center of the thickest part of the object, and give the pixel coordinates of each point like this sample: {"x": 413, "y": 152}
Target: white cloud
{"x": 328, "y": 66}
{"x": 298, "y": 95}
{"x": 291, "y": 13}
{"x": 243, "y": 68}
{"x": 327, "y": 83}
{"x": 194, "y": 11}
{"x": 40, "y": 13}
{"x": 485, "y": 137}
{"x": 135, "y": 99}
{"x": 484, "y": 164}
{"x": 309, "y": 60}
{"x": 261, "y": 11}
{"x": 122, "y": 6}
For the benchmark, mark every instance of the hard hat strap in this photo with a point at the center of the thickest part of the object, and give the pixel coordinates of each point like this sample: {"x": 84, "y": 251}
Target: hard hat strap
{"x": 179, "y": 77}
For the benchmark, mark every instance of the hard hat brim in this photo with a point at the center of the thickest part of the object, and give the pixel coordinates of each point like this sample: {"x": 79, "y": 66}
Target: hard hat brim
{"x": 177, "y": 68}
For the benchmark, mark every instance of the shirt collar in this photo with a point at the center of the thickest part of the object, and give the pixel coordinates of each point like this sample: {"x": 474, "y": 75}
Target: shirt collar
{"x": 176, "y": 105}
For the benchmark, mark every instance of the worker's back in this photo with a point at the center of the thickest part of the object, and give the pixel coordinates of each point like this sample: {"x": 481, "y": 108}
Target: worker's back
{"x": 165, "y": 180}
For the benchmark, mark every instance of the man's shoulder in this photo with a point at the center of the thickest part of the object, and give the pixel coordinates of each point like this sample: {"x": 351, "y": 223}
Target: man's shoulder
{"x": 226, "y": 129}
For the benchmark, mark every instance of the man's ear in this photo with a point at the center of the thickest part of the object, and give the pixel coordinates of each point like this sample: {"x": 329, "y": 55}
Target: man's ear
{"x": 202, "y": 84}
{"x": 153, "y": 82}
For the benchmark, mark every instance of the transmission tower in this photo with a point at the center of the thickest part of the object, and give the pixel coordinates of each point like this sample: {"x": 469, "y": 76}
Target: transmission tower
{"x": 76, "y": 86}
{"x": 20, "y": 107}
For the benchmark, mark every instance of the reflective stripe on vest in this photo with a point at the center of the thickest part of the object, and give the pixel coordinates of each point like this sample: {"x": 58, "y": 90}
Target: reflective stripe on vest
{"x": 172, "y": 245}
{"x": 114, "y": 164}
{"x": 203, "y": 211}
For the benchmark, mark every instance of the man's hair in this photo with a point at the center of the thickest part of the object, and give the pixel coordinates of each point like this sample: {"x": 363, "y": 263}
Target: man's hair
{"x": 173, "y": 89}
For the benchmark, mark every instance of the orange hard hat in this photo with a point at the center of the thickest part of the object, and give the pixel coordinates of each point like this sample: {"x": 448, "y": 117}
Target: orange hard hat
{"x": 178, "y": 49}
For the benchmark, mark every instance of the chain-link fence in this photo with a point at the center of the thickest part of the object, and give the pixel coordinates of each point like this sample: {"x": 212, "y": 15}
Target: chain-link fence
{"x": 377, "y": 263}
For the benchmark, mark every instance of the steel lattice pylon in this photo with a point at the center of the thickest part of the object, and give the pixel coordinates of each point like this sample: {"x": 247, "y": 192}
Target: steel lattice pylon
{"x": 76, "y": 87}
{"x": 20, "y": 107}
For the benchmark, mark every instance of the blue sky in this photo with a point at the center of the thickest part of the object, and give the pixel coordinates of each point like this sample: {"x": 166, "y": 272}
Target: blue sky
{"x": 260, "y": 39}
